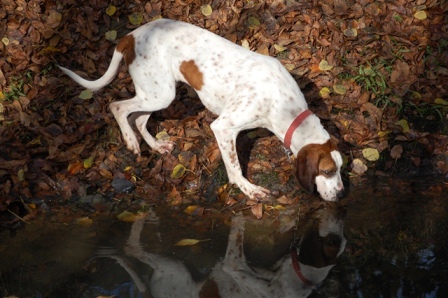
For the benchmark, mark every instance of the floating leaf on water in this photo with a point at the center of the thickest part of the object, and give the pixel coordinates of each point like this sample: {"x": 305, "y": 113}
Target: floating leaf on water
{"x": 189, "y": 242}
{"x": 206, "y": 10}
{"x": 111, "y": 10}
{"x": 178, "y": 171}
{"x": 420, "y": 15}
{"x": 111, "y": 35}
{"x": 404, "y": 124}
{"x": 371, "y": 154}
{"x": 136, "y": 18}
{"x": 339, "y": 89}
{"x": 86, "y": 94}
{"x": 324, "y": 65}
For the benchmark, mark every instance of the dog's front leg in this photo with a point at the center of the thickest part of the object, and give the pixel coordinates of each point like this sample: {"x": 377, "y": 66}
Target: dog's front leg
{"x": 226, "y": 138}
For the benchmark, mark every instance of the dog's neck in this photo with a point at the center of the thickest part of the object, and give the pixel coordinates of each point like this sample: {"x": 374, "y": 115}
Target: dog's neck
{"x": 306, "y": 134}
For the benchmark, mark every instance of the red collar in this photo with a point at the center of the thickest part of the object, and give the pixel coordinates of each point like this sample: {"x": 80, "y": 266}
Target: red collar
{"x": 296, "y": 123}
{"x": 295, "y": 264}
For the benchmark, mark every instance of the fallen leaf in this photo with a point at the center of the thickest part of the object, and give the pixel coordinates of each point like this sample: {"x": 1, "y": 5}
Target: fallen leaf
{"x": 404, "y": 125}
{"x": 420, "y": 15}
{"x": 111, "y": 35}
{"x": 279, "y": 48}
{"x": 86, "y": 94}
{"x": 194, "y": 210}
{"x": 257, "y": 210}
{"x": 253, "y": 22}
{"x": 206, "y": 10}
{"x": 5, "y": 41}
{"x": 136, "y": 18}
{"x": 358, "y": 166}
{"x": 441, "y": 101}
{"x": 84, "y": 221}
{"x": 111, "y": 10}
{"x": 163, "y": 136}
{"x": 178, "y": 171}
{"x": 189, "y": 242}
{"x": 396, "y": 151}
{"x": 131, "y": 217}
{"x": 339, "y": 89}
{"x": 87, "y": 163}
{"x": 324, "y": 66}
{"x": 325, "y": 93}
{"x": 351, "y": 32}
{"x": 371, "y": 154}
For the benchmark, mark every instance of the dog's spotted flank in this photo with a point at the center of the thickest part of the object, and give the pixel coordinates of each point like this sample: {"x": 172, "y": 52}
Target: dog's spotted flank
{"x": 246, "y": 89}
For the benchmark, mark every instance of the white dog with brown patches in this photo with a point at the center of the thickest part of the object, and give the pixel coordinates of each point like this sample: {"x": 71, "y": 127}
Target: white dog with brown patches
{"x": 246, "y": 89}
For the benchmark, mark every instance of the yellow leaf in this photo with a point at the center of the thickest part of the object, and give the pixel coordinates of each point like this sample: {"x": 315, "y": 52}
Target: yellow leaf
{"x": 163, "y": 136}
{"x": 21, "y": 175}
{"x": 86, "y": 94}
{"x": 84, "y": 221}
{"x": 178, "y": 171}
{"x": 404, "y": 124}
{"x": 383, "y": 133}
{"x": 290, "y": 66}
{"x": 126, "y": 216}
{"x": 189, "y": 242}
{"x": 279, "y": 48}
{"x": 2, "y": 97}
{"x": 416, "y": 94}
{"x": 323, "y": 65}
{"x": 136, "y": 18}
{"x": 206, "y": 10}
{"x": 440, "y": 101}
{"x": 88, "y": 162}
{"x": 111, "y": 35}
{"x": 339, "y": 89}
{"x": 111, "y": 10}
{"x": 351, "y": 32}
{"x": 253, "y": 22}
{"x": 49, "y": 50}
{"x": 194, "y": 210}
{"x": 371, "y": 154}
{"x": 420, "y": 15}
{"x": 5, "y": 41}
{"x": 324, "y": 93}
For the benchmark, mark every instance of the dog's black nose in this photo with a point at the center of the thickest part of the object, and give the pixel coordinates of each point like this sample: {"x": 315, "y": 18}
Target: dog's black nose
{"x": 341, "y": 193}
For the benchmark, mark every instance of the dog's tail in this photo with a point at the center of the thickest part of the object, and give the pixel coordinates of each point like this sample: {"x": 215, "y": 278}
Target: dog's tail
{"x": 101, "y": 82}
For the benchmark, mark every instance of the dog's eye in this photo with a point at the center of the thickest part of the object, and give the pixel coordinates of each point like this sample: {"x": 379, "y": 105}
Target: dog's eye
{"x": 327, "y": 173}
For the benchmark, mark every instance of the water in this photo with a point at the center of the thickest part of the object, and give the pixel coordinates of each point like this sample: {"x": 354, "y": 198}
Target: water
{"x": 381, "y": 241}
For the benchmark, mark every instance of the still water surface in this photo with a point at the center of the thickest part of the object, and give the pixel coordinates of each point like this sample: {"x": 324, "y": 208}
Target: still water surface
{"x": 379, "y": 242}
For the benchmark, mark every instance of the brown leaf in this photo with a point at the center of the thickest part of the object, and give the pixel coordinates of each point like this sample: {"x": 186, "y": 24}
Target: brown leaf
{"x": 396, "y": 151}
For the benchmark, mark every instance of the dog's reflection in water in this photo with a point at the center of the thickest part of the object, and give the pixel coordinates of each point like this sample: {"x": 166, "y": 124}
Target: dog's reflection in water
{"x": 295, "y": 275}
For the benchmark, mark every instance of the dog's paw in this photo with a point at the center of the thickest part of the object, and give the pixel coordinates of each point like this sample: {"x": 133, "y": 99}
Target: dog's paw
{"x": 255, "y": 192}
{"x": 164, "y": 146}
{"x": 133, "y": 146}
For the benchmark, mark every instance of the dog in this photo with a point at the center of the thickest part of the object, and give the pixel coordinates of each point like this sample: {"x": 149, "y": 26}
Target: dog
{"x": 294, "y": 275}
{"x": 246, "y": 89}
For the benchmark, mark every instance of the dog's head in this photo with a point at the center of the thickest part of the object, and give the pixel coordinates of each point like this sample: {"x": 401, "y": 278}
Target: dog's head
{"x": 320, "y": 165}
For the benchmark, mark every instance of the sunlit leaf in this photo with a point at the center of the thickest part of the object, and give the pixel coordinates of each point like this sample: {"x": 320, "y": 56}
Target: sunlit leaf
{"x": 111, "y": 10}
{"x": 111, "y": 35}
{"x": 87, "y": 164}
{"x": 189, "y": 242}
{"x": 371, "y": 154}
{"x": 420, "y": 15}
{"x": 324, "y": 65}
{"x": 86, "y": 94}
{"x": 178, "y": 171}
{"x": 136, "y": 18}
{"x": 206, "y": 10}
{"x": 339, "y": 89}
{"x": 404, "y": 124}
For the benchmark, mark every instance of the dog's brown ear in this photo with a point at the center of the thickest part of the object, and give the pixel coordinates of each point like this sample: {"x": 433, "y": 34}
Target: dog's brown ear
{"x": 307, "y": 168}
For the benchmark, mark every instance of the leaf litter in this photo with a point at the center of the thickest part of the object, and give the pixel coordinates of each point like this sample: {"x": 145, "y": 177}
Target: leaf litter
{"x": 375, "y": 72}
